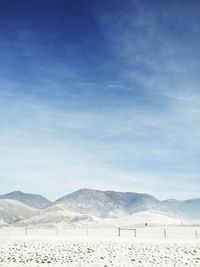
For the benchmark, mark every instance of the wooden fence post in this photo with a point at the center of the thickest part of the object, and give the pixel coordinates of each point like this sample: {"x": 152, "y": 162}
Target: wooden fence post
{"x": 118, "y": 231}
{"x": 135, "y": 234}
{"x": 165, "y": 233}
{"x": 196, "y": 235}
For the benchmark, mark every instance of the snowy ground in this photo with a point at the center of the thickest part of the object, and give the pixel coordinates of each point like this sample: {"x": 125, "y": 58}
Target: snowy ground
{"x": 100, "y": 247}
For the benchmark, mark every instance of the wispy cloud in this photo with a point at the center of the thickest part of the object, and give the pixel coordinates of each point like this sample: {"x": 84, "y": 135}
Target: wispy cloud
{"x": 124, "y": 116}
{"x": 132, "y": 149}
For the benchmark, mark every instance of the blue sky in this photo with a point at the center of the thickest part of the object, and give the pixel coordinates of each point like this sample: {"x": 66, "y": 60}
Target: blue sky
{"x": 100, "y": 94}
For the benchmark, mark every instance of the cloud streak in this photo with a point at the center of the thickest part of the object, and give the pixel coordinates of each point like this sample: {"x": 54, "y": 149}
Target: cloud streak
{"x": 123, "y": 115}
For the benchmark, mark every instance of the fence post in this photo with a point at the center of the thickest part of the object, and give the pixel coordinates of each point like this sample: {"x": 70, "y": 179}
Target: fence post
{"x": 87, "y": 231}
{"x": 26, "y": 230}
{"x": 134, "y": 232}
{"x": 118, "y": 231}
{"x": 196, "y": 235}
{"x": 165, "y": 233}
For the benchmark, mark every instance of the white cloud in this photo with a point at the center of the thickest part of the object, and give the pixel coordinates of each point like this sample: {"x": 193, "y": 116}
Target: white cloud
{"x": 54, "y": 151}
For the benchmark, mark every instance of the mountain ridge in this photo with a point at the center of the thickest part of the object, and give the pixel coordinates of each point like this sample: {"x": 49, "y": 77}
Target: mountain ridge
{"x": 104, "y": 204}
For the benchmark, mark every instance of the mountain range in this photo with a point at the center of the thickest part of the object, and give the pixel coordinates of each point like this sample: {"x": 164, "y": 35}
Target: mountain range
{"x": 87, "y": 205}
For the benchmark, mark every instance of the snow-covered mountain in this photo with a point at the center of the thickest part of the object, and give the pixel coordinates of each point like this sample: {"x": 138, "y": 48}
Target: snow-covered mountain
{"x": 35, "y": 201}
{"x": 188, "y": 208}
{"x": 87, "y": 205}
{"x": 109, "y": 203}
{"x": 115, "y": 204}
{"x": 13, "y": 211}
{"x": 59, "y": 215}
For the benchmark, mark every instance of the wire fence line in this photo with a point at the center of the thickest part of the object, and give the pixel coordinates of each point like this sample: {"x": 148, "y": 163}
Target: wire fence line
{"x": 121, "y": 232}
{"x": 195, "y": 234}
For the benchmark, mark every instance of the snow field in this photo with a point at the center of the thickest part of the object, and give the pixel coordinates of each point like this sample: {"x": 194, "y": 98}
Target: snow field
{"x": 99, "y": 247}
{"x": 92, "y": 253}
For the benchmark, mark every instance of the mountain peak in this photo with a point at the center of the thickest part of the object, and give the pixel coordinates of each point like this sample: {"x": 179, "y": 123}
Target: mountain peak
{"x": 107, "y": 203}
{"x": 35, "y": 201}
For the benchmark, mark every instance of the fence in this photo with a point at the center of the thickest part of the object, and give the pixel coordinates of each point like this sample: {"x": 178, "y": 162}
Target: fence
{"x": 160, "y": 232}
{"x": 107, "y": 232}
